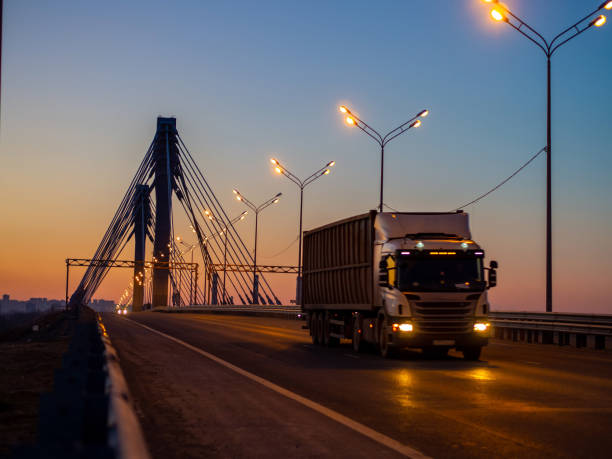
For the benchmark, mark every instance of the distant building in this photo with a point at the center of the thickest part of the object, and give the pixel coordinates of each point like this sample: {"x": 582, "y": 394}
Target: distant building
{"x": 8, "y": 306}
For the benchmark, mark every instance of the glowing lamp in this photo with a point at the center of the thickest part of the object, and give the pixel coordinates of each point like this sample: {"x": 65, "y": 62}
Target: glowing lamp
{"x": 497, "y": 15}
{"x": 343, "y": 109}
{"x": 350, "y": 120}
{"x": 598, "y": 22}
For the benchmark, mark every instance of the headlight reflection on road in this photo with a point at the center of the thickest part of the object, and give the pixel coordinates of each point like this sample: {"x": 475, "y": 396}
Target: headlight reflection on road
{"x": 403, "y": 396}
{"x": 481, "y": 374}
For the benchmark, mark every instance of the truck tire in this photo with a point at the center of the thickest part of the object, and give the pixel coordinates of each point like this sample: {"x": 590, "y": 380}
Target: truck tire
{"x": 386, "y": 350}
{"x": 320, "y": 327}
{"x": 312, "y": 324}
{"x": 472, "y": 352}
{"x": 358, "y": 344}
{"x": 328, "y": 340}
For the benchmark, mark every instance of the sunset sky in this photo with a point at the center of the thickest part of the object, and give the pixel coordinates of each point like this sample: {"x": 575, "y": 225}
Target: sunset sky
{"x": 83, "y": 84}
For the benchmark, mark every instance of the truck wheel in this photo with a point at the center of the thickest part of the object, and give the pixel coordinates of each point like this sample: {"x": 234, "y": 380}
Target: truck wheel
{"x": 472, "y": 352}
{"x": 328, "y": 340}
{"x": 358, "y": 344}
{"x": 312, "y": 323}
{"x": 386, "y": 351}
{"x": 320, "y": 328}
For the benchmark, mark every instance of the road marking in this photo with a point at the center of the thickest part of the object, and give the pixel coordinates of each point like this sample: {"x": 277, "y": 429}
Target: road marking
{"x": 348, "y": 422}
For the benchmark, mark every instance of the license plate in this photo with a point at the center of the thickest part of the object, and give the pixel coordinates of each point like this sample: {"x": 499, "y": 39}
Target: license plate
{"x": 444, "y": 342}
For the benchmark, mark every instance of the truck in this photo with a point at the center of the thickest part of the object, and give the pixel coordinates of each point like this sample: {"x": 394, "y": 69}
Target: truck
{"x": 393, "y": 280}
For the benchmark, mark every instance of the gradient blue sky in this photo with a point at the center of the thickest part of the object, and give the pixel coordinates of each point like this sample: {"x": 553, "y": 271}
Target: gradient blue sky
{"x": 83, "y": 83}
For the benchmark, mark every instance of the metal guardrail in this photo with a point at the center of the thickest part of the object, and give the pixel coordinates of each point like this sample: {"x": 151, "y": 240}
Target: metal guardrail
{"x": 125, "y": 436}
{"x": 88, "y": 413}
{"x": 578, "y": 330}
{"x": 286, "y": 312}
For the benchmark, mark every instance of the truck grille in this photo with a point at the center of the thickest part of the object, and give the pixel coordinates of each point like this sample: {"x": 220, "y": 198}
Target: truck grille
{"x": 443, "y": 317}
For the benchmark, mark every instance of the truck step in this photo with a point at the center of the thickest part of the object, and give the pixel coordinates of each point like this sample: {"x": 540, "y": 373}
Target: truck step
{"x": 336, "y": 322}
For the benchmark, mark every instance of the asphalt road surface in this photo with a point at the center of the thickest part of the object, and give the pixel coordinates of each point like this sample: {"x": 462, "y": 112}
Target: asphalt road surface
{"x": 219, "y": 393}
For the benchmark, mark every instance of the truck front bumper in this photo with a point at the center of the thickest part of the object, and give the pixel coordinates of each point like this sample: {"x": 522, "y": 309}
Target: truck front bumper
{"x": 451, "y": 340}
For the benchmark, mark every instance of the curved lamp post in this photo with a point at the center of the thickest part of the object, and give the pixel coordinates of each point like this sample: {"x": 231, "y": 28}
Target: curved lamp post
{"x": 189, "y": 248}
{"x": 501, "y": 13}
{"x": 273, "y": 200}
{"x": 353, "y": 120}
{"x": 280, "y": 169}
{"x": 224, "y": 231}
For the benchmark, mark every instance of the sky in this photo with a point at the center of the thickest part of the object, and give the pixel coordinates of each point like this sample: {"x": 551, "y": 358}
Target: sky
{"x": 83, "y": 84}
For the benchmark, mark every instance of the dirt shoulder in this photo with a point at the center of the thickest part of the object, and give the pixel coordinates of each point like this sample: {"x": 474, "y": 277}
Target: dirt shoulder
{"x": 27, "y": 361}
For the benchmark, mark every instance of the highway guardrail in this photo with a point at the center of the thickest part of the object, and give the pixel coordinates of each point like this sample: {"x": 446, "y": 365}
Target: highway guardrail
{"x": 285, "y": 312}
{"x": 88, "y": 413}
{"x": 564, "y": 329}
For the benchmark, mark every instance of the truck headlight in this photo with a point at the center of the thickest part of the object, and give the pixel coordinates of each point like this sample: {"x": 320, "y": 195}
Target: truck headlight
{"x": 402, "y": 327}
{"x": 481, "y": 326}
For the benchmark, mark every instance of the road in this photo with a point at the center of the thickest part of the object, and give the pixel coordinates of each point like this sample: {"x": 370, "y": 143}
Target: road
{"x": 518, "y": 400}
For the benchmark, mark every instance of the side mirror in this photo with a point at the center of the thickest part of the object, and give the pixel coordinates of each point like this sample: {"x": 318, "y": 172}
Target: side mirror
{"x": 492, "y": 276}
{"x": 493, "y": 264}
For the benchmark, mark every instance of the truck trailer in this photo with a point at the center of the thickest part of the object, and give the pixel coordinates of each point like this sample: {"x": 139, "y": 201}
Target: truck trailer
{"x": 395, "y": 280}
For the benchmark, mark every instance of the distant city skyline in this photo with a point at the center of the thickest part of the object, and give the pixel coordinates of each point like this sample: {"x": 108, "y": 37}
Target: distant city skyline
{"x": 83, "y": 85}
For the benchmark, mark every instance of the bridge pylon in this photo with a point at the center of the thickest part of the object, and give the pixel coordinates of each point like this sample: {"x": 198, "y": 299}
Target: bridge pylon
{"x": 165, "y": 165}
{"x": 142, "y": 216}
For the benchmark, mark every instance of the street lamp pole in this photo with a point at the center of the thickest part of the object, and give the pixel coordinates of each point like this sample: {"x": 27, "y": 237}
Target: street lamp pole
{"x": 280, "y": 169}
{"x": 190, "y": 248}
{"x": 224, "y": 230}
{"x": 501, "y": 13}
{"x": 273, "y": 200}
{"x": 353, "y": 120}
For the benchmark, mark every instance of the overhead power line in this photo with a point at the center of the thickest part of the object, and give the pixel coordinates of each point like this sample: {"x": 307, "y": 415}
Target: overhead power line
{"x": 484, "y": 195}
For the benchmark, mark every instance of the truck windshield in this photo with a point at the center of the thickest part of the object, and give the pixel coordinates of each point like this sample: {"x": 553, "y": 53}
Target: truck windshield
{"x": 432, "y": 273}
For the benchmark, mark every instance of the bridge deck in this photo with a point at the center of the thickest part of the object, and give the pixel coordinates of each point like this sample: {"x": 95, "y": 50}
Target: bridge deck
{"x": 528, "y": 400}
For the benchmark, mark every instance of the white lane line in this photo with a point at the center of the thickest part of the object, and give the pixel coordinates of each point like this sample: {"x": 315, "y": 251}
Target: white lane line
{"x": 356, "y": 426}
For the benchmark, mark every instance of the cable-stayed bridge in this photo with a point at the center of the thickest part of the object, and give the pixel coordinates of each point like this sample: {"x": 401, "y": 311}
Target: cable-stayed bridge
{"x": 167, "y": 171}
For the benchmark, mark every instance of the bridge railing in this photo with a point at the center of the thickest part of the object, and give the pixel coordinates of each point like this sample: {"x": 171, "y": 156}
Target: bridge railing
{"x": 564, "y": 329}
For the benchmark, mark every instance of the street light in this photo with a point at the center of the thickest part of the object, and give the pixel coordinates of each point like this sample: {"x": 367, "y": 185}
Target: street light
{"x": 353, "y": 120}
{"x": 189, "y": 248}
{"x": 501, "y": 13}
{"x": 273, "y": 200}
{"x": 224, "y": 230}
{"x": 280, "y": 169}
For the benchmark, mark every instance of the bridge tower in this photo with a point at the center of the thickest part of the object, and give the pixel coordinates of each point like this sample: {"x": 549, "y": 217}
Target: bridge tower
{"x": 142, "y": 215}
{"x": 165, "y": 164}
